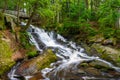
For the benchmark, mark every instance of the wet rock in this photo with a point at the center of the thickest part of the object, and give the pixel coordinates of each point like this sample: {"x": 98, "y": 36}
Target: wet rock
{"x": 34, "y": 65}
{"x": 114, "y": 73}
{"x": 91, "y": 51}
{"x": 105, "y": 52}
{"x": 97, "y": 69}
{"x": 93, "y": 71}
{"x": 100, "y": 65}
{"x": 101, "y": 40}
{"x": 110, "y": 41}
{"x": 64, "y": 75}
{"x": 96, "y": 39}
{"x": 80, "y": 71}
{"x": 18, "y": 55}
{"x": 37, "y": 76}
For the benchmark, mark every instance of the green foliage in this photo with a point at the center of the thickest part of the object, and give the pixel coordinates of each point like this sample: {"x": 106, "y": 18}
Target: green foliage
{"x": 11, "y": 4}
{"x": 108, "y": 13}
{"x": 117, "y": 34}
{"x": 24, "y": 40}
{"x": 30, "y": 49}
{"x": 81, "y": 29}
{"x": 69, "y": 28}
{"x": 72, "y": 17}
{"x": 107, "y": 32}
{"x": 32, "y": 52}
{"x": 46, "y": 13}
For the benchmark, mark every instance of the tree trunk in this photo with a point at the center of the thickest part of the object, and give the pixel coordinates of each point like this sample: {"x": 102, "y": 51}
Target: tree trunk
{"x": 68, "y": 7}
{"x": 5, "y": 6}
{"x": 58, "y": 16}
{"x": 30, "y": 19}
{"x": 86, "y": 2}
{"x": 18, "y": 9}
{"x": 35, "y": 6}
{"x": 78, "y": 3}
{"x": 118, "y": 21}
{"x": 91, "y": 5}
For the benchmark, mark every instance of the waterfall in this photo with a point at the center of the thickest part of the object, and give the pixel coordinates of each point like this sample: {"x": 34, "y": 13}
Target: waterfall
{"x": 70, "y": 54}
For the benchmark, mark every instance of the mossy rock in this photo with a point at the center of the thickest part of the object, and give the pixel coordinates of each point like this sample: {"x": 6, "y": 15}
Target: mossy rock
{"x": 99, "y": 65}
{"x": 36, "y": 64}
{"x": 10, "y": 21}
{"x": 5, "y": 56}
{"x": 96, "y": 39}
{"x": 110, "y": 54}
{"x": 47, "y": 59}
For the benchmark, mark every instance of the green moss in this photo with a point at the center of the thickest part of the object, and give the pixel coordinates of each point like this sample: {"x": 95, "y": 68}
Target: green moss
{"x": 106, "y": 57}
{"x": 5, "y": 56}
{"x": 32, "y": 52}
{"x": 47, "y": 59}
{"x": 24, "y": 40}
{"x": 84, "y": 64}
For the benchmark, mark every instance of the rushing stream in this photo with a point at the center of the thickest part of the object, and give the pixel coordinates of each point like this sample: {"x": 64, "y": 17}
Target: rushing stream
{"x": 70, "y": 57}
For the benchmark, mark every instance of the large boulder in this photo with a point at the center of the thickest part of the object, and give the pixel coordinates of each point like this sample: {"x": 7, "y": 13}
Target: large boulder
{"x": 102, "y": 40}
{"x": 30, "y": 67}
{"x": 105, "y": 52}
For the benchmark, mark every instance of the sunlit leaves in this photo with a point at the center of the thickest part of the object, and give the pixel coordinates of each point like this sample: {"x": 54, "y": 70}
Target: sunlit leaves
{"x": 108, "y": 13}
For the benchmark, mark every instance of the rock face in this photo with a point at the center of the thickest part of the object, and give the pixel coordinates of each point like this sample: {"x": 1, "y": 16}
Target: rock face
{"x": 7, "y": 21}
{"x": 98, "y": 69}
{"x": 105, "y": 48}
{"x": 107, "y": 53}
{"x": 37, "y": 76}
{"x": 30, "y": 67}
{"x": 86, "y": 70}
{"x": 101, "y": 40}
{"x": 8, "y": 50}
{"x": 7, "y": 40}
{"x": 10, "y": 21}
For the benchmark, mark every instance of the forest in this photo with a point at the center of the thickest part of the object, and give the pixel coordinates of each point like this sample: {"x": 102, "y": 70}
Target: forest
{"x": 31, "y": 39}
{"x": 89, "y": 17}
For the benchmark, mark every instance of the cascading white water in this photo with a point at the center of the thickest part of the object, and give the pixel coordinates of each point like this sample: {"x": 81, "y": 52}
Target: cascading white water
{"x": 69, "y": 53}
